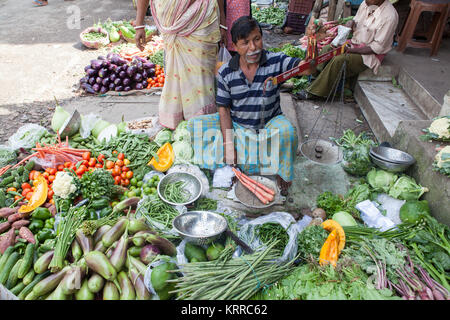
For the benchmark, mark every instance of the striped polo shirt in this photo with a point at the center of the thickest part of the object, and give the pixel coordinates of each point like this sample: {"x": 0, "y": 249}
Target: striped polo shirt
{"x": 246, "y": 100}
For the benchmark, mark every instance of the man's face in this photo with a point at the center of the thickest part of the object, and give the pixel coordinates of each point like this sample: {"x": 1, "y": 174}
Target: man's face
{"x": 374, "y": 2}
{"x": 251, "y": 47}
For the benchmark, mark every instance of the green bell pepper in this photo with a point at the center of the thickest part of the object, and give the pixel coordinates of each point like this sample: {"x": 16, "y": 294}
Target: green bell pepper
{"x": 105, "y": 211}
{"x": 48, "y": 245}
{"x": 36, "y": 225}
{"x": 45, "y": 234}
{"x": 41, "y": 213}
{"x": 49, "y": 223}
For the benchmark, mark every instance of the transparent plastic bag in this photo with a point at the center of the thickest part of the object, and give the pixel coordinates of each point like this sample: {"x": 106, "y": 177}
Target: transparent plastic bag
{"x": 87, "y": 124}
{"x": 222, "y": 57}
{"x": 223, "y": 177}
{"x": 7, "y": 155}
{"x": 26, "y": 136}
{"x": 341, "y": 37}
{"x": 148, "y": 275}
{"x": 286, "y": 220}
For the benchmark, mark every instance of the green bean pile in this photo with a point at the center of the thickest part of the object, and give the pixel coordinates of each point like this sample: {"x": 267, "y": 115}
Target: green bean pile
{"x": 238, "y": 279}
{"x": 267, "y": 232}
{"x": 154, "y": 209}
{"x": 176, "y": 193}
{"x": 94, "y": 36}
{"x": 205, "y": 204}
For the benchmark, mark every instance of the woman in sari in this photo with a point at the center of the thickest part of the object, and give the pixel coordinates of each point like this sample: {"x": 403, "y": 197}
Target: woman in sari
{"x": 190, "y": 31}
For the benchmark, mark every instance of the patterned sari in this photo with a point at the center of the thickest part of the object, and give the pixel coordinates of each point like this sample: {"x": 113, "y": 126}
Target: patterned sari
{"x": 190, "y": 33}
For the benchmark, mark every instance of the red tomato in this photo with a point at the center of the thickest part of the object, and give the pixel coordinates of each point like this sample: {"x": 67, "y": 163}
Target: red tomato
{"x": 53, "y": 171}
{"x": 119, "y": 163}
{"x": 60, "y": 167}
{"x": 45, "y": 174}
{"x": 80, "y": 171}
{"x": 67, "y": 164}
{"x": 25, "y": 191}
{"x": 109, "y": 164}
{"x": 118, "y": 168}
{"x": 50, "y": 194}
{"x": 99, "y": 165}
{"x": 125, "y": 169}
{"x": 25, "y": 186}
{"x": 121, "y": 156}
{"x": 51, "y": 178}
{"x": 125, "y": 182}
{"x": 92, "y": 162}
{"x": 85, "y": 163}
{"x": 17, "y": 198}
{"x": 101, "y": 157}
{"x": 115, "y": 152}
{"x": 129, "y": 174}
{"x": 84, "y": 167}
{"x": 123, "y": 175}
{"x": 116, "y": 172}
{"x": 117, "y": 180}
{"x": 86, "y": 155}
{"x": 29, "y": 195}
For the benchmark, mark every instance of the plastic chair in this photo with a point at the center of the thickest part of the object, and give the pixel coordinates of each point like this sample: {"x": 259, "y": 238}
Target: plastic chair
{"x": 434, "y": 35}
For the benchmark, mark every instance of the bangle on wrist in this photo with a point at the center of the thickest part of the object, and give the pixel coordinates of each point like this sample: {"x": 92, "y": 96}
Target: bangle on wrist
{"x": 223, "y": 27}
{"x": 139, "y": 27}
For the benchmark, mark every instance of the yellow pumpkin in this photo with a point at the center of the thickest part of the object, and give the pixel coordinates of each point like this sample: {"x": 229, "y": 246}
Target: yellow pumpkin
{"x": 166, "y": 157}
{"x": 39, "y": 195}
{"x": 331, "y": 225}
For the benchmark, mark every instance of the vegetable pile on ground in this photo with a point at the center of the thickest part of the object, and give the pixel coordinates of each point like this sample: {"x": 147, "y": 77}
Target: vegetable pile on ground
{"x": 270, "y": 15}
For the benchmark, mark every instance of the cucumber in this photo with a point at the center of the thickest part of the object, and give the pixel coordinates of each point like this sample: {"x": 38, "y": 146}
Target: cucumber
{"x": 19, "y": 287}
{"x": 27, "y": 261}
{"x": 5, "y": 257}
{"x": 29, "y": 277}
{"x": 30, "y": 286}
{"x": 13, "y": 278}
{"x": 13, "y": 258}
{"x": 31, "y": 296}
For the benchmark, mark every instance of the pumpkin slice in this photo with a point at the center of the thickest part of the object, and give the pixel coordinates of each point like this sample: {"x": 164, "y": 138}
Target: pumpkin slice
{"x": 331, "y": 225}
{"x": 166, "y": 157}
{"x": 39, "y": 196}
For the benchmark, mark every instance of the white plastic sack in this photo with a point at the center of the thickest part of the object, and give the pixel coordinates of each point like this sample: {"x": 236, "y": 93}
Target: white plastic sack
{"x": 372, "y": 217}
{"x": 392, "y": 207}
{"x": 247, "y": 233}
{"x": 341, "y": 37}
{"x": 223, "y": 177}
{"x": 150, "y": 132}
{"x": 26, "y": 136}
{"x": 87, "y": 124}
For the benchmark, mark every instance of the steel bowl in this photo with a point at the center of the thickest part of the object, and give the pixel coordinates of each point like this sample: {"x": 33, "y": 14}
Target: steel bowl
{"x": 390, "y": 166}
{"x": 392, "y": 155}
{"x": 193, "y": 186}
{"x": 200, "y": 227}
{"x": 71, "y": 125}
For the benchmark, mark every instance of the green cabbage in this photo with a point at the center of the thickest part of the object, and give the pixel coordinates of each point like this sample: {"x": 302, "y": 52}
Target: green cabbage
{"x": 411, "y": 211}
{"x": 165, "y": 135}
{"x": 381, "y": 180}
{"x": 406, "y": 188}
{"x": 345, "y": 219}
{"x": 181, "y": 133}
{"x": 183, "y": 152}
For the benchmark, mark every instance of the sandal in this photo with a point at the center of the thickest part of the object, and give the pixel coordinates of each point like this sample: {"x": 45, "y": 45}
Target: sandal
{"x": 39, "y": 3}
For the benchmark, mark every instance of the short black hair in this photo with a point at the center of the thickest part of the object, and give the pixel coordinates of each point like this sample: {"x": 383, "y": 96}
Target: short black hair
{"x": 242, "y": 27}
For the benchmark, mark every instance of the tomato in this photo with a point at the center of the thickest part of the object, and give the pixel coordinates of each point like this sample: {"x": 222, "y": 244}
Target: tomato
{"x": 125, "y": 182}
{"x": 123, "y": 175}
{"x": 25, "y": 191}
{"x": 67, "y": 164}
{"x": 73, "y": 167}
{"x": 46, "y": 175}
{"x": 109, "y": 164}
{"x": 85, "y": 163}
{"x": 116, "y": 172}
{"x": 51, "y": 178}
{"x": 25, "y": 186}
{"x": 129, "y": 174}
{"x": 79, "y": 171}
{"x": 50, "y": 194}
{"x": 116, "y": 167}
{"x": 29, "y": 195}
{"x": 99, "y": 165}
{"x": 52, "y": 201}
{"x": 31, "y": 175}
{"x": 48, "y": 170}
{"x": 60, "y": 167}
{"x": 92, "y": 162}
{"x": 86, "y": 155}
{"x": 53, "y": 171}
{"x": 11, "y": 189}
{"x": 125, "y": 169}
{"x": 84, "y": 167}
{"x": 100, "y": 158}
{"x": 119, "y": 163}
{"x": 117, "y": 180}
{"x": 115, "y": 152}
{"x": 121, "y": 156}
{"x": 17, "y": 198}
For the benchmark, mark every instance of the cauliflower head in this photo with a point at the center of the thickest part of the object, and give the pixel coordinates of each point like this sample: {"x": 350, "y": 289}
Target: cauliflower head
{"x": 65, "y": 185}
{"x": 441, "y": 127}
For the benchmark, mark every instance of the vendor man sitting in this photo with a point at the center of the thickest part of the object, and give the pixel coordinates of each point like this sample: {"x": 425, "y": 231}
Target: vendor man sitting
{"x": 373, "y": 30}
{"x": 249, "y": 129}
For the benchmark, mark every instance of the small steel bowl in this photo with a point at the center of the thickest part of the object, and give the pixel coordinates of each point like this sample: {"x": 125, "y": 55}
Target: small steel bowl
{"x": 193, "y": 186}
{"x": 200, "y": 227}
{"x": 390, "y": 166}
{"x": 392, "y": 155}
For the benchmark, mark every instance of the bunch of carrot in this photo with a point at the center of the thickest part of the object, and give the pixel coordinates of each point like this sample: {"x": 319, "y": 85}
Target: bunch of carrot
{"x": 262, "y": 192}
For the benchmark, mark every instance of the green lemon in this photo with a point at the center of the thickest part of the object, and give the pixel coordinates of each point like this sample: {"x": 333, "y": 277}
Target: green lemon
{"x": 133, "y": 181}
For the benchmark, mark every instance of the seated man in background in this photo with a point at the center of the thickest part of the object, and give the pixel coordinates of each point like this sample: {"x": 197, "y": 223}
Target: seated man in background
{"x": 250, "y": 121}
{"x": 373, "y": 30}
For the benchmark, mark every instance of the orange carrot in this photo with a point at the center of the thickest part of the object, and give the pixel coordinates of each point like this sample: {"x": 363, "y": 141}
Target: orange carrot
{"x": 250, "y": 180}
{"x": 267, "y": 192}
{"x": 255, "y": 192}
{"x": 260, "y": 193}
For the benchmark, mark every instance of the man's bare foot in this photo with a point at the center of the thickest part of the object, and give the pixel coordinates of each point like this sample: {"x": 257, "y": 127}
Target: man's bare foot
{"x": 284, "y": 186}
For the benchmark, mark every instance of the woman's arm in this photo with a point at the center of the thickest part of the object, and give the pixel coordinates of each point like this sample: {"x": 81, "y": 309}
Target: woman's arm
{"x": 141, "y": 9}
{"x": 222, "y": 21}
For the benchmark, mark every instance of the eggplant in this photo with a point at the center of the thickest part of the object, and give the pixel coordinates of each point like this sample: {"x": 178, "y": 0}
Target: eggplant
{"x": 86, "y": 242}
{"x": 127, "y": 291}
{"x": 112, "y": 77}
{"x": 110, "y": 291}
{"x": 139, "y": 286}
{"x": 99, "y": 263}
{"x": 100, "y": 232}
{"x": 138, "y": 77}
{"x": 122, "y": 74}
{"x": 77, "y": 252}
{"x": 100, "y": 247}
{"x": 84, "y": 79}
{"x": 105, "y": 63}
{"x": 42, "y": 263}
{"x": 151, "y": 72}
{"x": 126, "y": 81}
{"x": 140, "y": 66}
{"x": 88, "y": 88}
{"x": 131, "y": 71}
{"x": 112, "y": 67}
{"x": 105, "y": 82}
{"x": 98, "y": 80}
{"x": 145, "y": 74}
{"x": 104, "y": 90}
{"x": 135, "y": 225}
{"x": 84, "y": 293}
{"x": 95, "y": 283}
{"x": 112, "y": 86}
{"x": 118, "y": 81}
{"x": 144, "y": 84}
{"x": 71, "y": 281}
{"x": 148, "y": 65}
{"x": 111, "y": 55}
{"x": 91, "y": 72}
{"x": 103, "y": 73}
{"x": 96, "y": 87}
{"x": 118, "y": 88}
{"x": 122, "y": 61}
{"x": 149, "y": 253}
{"x": 116, "y": 59}
{"x": 91, "y": 80}
{"x": 87, "y": 68}
{"x": 101, "y": 58}
{"x": 127, "y": 88}
{"x": 138, "y": 86}
{"x": 115, "y": 232}
{"x": 119, "y": 254}
{"x": 51, "y": 282}
{"x": 166, "y": 247}
{"x": 96, "y": 64}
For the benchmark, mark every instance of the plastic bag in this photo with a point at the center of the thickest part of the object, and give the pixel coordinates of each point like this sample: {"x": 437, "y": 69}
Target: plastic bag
{"x": 48, "y": 162}
{"x": 222, "y": 57}
{"x": 223, "y": 177}
{"x": 148, "y": 276}
{"x": 27, "y": 136}
{"x": 151, "y": 131}
{"x": 286, "y": 220}
{"x": 87, "y": 124}
{"x": 341, "y": 37}
{"x": 392, "y": 207}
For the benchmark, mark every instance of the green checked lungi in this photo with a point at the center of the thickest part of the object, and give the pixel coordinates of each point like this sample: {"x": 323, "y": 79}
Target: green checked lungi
{"x": 270, "y": 151}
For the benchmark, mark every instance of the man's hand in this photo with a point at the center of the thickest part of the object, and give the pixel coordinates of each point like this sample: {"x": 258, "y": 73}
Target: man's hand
{"x": 311, "y": 69}
{"x": 229, "y": 154}
{"x": 140, "y": 39}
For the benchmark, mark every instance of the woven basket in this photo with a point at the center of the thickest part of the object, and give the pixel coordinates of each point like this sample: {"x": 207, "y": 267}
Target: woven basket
{"x": 94, "y": 44}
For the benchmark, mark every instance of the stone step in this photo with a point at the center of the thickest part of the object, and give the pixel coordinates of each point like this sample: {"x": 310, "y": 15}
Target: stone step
{"x": 384, "y": 106}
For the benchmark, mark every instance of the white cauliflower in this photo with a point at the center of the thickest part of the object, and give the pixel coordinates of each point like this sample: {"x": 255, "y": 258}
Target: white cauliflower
{"x": 440, "y": 127}
{"x": 442, "y": 161}
{"x": 64, "y": 185}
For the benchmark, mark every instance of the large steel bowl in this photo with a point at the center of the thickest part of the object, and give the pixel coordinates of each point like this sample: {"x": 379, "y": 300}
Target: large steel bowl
{"x": 200, "y": 227}
{"x": 390, "y": 166}
{"x": 192, "y": 185}
{"x": 392, "y": 155}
